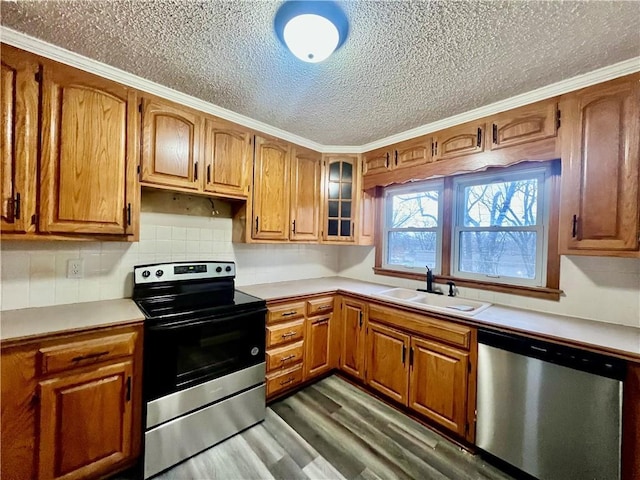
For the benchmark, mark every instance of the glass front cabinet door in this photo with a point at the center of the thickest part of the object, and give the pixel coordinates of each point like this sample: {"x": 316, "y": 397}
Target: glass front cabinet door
{"x": 340, "y": 197}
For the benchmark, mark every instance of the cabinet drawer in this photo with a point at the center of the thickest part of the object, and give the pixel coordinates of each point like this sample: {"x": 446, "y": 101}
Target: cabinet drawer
{"x": 448, "y": 332}
{"x": 285, "y": 333}
{"x": 319, "y": 306}
{"x": 283, "y": 380}
{"x": 287, "y": 311}
{"x": 284, "y": 357}
{"x": 78, "y": 354}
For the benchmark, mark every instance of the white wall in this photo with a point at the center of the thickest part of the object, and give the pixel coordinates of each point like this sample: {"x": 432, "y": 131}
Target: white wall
{"x": 34, "y": 273}
{"x": 597, "y": 288}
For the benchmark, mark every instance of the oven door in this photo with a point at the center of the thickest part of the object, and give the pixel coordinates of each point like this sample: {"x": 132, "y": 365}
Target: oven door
{"x": 181, "y": 355}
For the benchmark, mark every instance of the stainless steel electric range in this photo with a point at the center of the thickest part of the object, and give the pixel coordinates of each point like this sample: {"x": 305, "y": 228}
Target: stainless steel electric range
{"x": 204, "y": 358}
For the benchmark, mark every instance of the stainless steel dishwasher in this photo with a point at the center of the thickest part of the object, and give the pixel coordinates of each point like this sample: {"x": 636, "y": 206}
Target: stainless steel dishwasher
{"x": 554, "y": 412}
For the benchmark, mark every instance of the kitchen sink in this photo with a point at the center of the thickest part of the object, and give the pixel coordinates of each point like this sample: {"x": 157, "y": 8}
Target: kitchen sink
{"x": 433, "y": 302}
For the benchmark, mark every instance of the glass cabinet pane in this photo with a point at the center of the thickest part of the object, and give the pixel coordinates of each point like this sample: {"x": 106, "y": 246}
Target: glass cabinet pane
{"x": 340, "y": 193}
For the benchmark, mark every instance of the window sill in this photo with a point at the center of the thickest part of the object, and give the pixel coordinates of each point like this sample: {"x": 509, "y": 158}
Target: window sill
{"x": 535, "y": 292}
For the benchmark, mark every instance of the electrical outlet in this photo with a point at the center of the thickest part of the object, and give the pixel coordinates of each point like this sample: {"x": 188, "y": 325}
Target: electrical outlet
{"x": 75, "y": 268}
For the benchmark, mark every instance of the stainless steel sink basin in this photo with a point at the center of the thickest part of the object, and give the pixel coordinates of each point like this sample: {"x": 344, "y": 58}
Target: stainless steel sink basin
{"x": 432, "y": 302}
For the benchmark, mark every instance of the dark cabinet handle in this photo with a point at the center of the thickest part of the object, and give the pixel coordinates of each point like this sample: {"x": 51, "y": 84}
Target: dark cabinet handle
{"x": 195, "y": 171}
{"x": 288, "y": 380}
{"x": 208, "y": 173}
{"x": 294, "y": 226}
{"x": 404, "y": 352}
{"x": 257, "y": 224}
{"x": 411, "y": 356}
{"x": 435, "y": 149}
{"x": 360, "y": 319}
{"x": 574, "y": 226}
{"x": 289, "y": 334}
{"x": 16, "y": 207}
{"x": 128, "y": 390}
{"x": 129, "y": 214}
{"x": 288, "y": 314}
{"x": 495, "y": 133}
{"x": 479, "y": 137}
{"x": 396, "y": 160}
{"x": 288, "y": 357}
{"x": 321, "y": 321}
{"x": 386, "y": 162}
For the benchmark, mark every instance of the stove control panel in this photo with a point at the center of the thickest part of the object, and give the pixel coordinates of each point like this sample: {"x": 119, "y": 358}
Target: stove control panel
{"x": 180, "y": 271}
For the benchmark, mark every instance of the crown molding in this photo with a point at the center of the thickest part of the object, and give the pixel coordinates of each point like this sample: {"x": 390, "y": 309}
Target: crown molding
{"x": 59, "y": 54}
{"x": 564, "y": 86}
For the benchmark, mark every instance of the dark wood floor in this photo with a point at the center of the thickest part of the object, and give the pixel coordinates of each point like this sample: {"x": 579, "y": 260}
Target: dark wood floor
{"x": 332, "y": 430}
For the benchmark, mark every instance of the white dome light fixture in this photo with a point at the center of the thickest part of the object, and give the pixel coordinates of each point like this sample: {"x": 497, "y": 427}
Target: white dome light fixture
{"x": 311, "y": 30}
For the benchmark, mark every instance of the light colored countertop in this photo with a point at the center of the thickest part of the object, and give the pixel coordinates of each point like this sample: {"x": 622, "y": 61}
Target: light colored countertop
{"x": 33, "y": 322}
{"x": 600, "y": 336}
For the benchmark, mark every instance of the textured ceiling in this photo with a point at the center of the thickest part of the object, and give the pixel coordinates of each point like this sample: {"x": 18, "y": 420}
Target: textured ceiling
{"x": 405, "y": 63}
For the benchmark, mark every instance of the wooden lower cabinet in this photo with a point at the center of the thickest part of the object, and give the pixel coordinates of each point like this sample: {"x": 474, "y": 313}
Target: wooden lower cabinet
{"x": 85, "y": 422}
{"x": 317, "y": 360}
{"x": 388, "y": 362}
{"x": 439, "y": 383}
{"x": 73, "y": 420}
{"x": 352, "y": 337}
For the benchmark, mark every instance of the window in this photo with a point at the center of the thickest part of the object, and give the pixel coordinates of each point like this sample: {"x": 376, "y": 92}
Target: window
{"x": 413, "y": 227}
{"x": 488, "y": 230}
{"x": 499, "y": 227}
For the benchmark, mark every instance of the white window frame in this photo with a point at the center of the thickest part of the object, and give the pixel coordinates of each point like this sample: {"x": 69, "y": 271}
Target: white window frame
{"x": 543, "y": 174}
{"x": 430, "y": 185}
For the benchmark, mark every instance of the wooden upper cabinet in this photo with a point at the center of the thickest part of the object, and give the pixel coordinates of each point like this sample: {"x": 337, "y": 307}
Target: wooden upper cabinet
{"x": 458, "y": 141}
{"x": 227, "y": 158}
{"x": 75, "y": 441}
{"x": 439, "y": 383}
{"x": 19, "y": 101}
{"x": 600, "y": 168}
{"x": 352, "y": 337}
{"x": 340, "y": 186}
{"x": 523, "y": 125}
{"x": 367, "y": 218}
{"x": 377, "y": 161}
{"x": 171, "y": 145}
{"x": 89, "y": 153}
{"x": 388, "y": 361}
{"x": 271, "y": 190}
{"x": 412, "y": 152}
{"x": 305, "y": 195}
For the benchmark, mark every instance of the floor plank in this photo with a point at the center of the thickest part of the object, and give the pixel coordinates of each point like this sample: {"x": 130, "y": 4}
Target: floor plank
{"x": 334, "y": 431}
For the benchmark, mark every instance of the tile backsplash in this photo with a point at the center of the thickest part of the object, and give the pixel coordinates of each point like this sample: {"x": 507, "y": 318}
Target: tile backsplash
{"x": 34, "y": 273}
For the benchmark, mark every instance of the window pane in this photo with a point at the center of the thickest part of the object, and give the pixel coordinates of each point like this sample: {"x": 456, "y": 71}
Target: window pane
{"x": 501, "y": 204}
{"x": 510, "y": 254}
{"x": 334, "y": 190}
{"x": 412, "y": 249}
{"x": 345, "y": 209}
{"x": 345, "y": 228}
{"x": 416, "y": 209}
{"x": 346, "y": 172}
{"x": 333, "y": 209}
{"x": 346, "y": 191}
{"x": 333, "y": 228}
{"x": 334, "y": 172}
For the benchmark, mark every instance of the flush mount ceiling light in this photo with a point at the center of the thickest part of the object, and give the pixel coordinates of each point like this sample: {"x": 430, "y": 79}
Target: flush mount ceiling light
{"x": 311, "y": 30}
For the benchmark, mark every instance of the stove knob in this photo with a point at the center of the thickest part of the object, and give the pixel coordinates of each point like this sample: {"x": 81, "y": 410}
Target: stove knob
{"x": 146, "y": 274}
{"x": 159, "y": 273}
{"x": 218, "y": 269}
{"x": 228, "y": 269}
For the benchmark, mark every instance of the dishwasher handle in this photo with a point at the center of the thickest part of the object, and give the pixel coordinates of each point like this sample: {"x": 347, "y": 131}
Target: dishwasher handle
{"x": 596, "y": 363}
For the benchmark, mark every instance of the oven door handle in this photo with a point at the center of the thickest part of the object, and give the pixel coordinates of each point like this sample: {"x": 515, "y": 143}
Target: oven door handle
{"x": 199, "y": 322}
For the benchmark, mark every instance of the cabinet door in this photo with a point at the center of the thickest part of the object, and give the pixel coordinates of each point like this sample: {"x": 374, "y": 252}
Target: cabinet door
{"x": 523, "y": 125}
{"x": 75, "y": 441}
{"x": 340, "y": 188}
{"x": 19, "y": 101}
{"x": 412, "y": 153}
{"x": 89, "y": 153}
{"x": 458, "y": 141}
{"x": 305, "y": 195}
{"x": 367, "y": 220}
{"x": 171, "y": 141}
{"x": 377, "y": 161}
{"x": 439, "y": 383}
{"x": 352, "y": 338}
{"x": 227, "y": 159}
{"x": 387, "y": 362}
{"x": 317, "y": 341}
{"x": 271, "y": 190}
{"x": 600, "y": 167}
